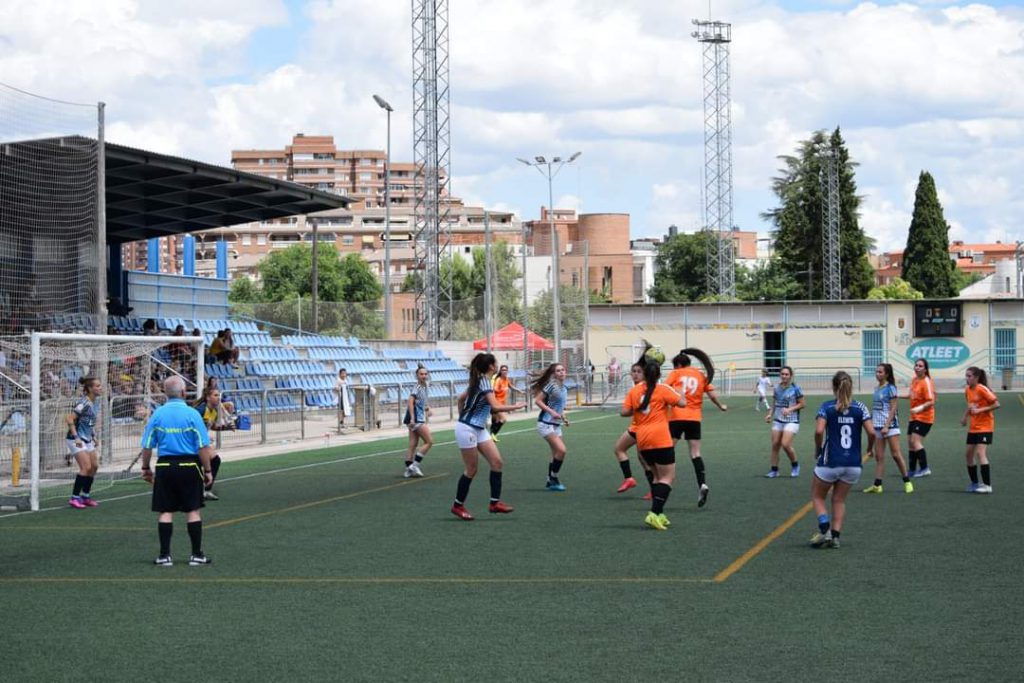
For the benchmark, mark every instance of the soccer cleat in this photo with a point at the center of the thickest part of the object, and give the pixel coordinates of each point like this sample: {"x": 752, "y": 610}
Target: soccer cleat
{"x": 833, "y": 543}
{"x": 495, "y": 439}
{"x": 461, "y": 512}
{"x": 408, "y": 472}
{"x": 819, "y": 539}
{"x": 972, "y": 487}
{"x": 654, "y": 521}
{"x": 89, "y": 502}
{"x": 983, "y": 488}
{"x": 414, "y": 470}
{"x": 647, "y": 496}
{"x": 873, "y": 489}
{"x": 772, "y": 474}
{"x": 925, "y": 472}
{"x": 499, "y": 507}
{"x": 664, "y": 520}
{"x": 163, "y": 561}
{"x": 908, "y": 487}
{"x": 555, "y": 485}
{"x": 795, "y": 472}
{"x": 210, "y": 495}
{"x": 911, "y": 473}
{"x": 76, "y": 503}
{"x": 199, "y": 560}
{"x": 627, "y": 484}
{"x": 702, "y": 497}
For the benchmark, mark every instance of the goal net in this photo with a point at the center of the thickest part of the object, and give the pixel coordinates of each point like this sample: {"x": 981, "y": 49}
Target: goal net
{"x": 40, "y": 387}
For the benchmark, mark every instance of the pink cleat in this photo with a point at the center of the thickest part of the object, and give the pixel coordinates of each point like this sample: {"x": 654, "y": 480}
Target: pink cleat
{"x": 626, "y": 485}
{"x": 89, "y": 503}
{"x": 76, "y": 503}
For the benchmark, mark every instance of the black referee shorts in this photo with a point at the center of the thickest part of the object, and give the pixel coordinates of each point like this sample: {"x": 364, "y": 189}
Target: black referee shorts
{"x": 178, "y": 485}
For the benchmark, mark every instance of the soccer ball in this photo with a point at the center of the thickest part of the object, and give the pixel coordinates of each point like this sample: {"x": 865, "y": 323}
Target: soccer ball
{"x": 655, "y": 356}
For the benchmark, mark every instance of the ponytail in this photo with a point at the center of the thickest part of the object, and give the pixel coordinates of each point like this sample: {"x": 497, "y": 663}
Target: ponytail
{"x": 842, "y": 387}
{"x": 545, "y": 377}
{"x": 86, "y": 382}
{"x": 889, "y": 376}
{"x": 979, "y": 373}
{"x": 478, "y": 367}
{"x": 682, "y": 360}
{"x": 652, "y": 373}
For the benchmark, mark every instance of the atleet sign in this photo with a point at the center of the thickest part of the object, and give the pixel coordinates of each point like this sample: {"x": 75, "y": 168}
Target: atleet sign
{"x": 940, "y": 353}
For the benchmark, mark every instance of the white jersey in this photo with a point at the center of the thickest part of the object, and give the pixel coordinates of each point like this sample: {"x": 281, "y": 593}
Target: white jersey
{"x": 764, "y": 385}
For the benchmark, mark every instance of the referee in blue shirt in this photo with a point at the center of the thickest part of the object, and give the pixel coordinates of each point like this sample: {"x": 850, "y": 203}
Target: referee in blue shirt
{"x": 177, "y": 432}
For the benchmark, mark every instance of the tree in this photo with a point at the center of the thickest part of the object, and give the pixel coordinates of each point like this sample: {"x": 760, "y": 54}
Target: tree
{"x": 505, "y": 274}
{"x": 681, "y": 268}
{"x": 771, "y": 281}
{"x": 541, "y": 318}
{"x": 244, "y": 291}
{"x": 962, "y": 280}
{"x": 897, "y": 289}
{"x": 798, "y": 219}
{"x": 926, "y": 262}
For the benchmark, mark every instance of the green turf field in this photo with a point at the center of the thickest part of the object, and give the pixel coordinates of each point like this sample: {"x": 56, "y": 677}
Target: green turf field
{"x": 329, "y": 566}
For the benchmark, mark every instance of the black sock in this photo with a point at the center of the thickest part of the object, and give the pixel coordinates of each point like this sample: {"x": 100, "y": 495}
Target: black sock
{"x": 417, "y": 458}
{"x": 659, "y": 495}
{"x": 462, "y": 492}
{"x": 627, "y": 470}
{"x": 775, "y": 468}
{"x": 922, "y": 459}
{"x": 496, "y": 427}
{"x": 698, "y": 469}
{"x": 408, "y": 462}
{"x": 972, "y": 472}
{"x": 215, "y": 465}
{"x": 986, "y": 475}
{"x": 835, "y": 534}
{"x": 195, "y": 534}
{"x": 553, "y": 469}
{"x": 495, "y": 486}
{"x": 87, "y": 486}
{"x": 913, "y": 461}
{"x": 79, "y": 483}
{"x": 650, "y": 478}
{"x": 878, "y": 482}
{"x": 906, "y": 479}
{"x": 164, "y": 530}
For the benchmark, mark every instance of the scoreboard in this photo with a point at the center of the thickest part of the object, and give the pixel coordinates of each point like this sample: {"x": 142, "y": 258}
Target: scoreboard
{"x": 938, "y": 319}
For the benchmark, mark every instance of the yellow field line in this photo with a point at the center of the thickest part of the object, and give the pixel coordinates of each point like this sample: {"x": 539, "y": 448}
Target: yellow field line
{"x": 324, "y": 501}
{"x": 370, "y": 580}
{"x": 761, "y": 545}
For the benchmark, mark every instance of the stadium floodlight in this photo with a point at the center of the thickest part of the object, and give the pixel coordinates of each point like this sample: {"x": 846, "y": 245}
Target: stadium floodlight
{"x": 524, "y": 161}
{"x": 556, "y": 160}
{"x": 574, "y": 157}
{"x": 540, "y": 160}
{"x": 383, "y": 104}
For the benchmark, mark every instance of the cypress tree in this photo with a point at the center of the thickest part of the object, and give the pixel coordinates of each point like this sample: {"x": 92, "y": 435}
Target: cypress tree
{"x": 926, "y": 263}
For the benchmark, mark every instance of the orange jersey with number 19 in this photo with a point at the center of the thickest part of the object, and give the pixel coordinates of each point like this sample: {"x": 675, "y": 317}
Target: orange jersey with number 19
{"x": 691, "y": 383}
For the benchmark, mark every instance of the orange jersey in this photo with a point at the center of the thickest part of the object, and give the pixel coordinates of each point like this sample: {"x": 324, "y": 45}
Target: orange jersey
{"x": 921, "y": 391}
{"x": 980, "y": 397}
{"x": 651, "y": 425}
{"x": 691, "y": 383}
{"x": 500, "y": 385}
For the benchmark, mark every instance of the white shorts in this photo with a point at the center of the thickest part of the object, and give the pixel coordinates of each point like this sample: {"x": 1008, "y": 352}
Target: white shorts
{"x": 87, "y": 446}
{"x": 847, "y": 475}
{"x": 893, "y": 431}
{"x": 415, "y": 426}
{"x": 545, "y": 430}
{"x": 789, "y": 427}
{"x": 467, "y": 436}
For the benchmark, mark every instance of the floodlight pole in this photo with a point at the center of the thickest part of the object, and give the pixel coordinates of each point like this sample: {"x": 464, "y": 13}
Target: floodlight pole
{"x": 383, "y": 104}
{"x": 544, "y": 167}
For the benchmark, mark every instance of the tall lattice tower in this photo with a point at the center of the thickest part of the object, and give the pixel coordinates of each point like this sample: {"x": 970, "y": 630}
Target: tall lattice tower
{"x": 432, "y": 157}
{"x": 831, "y": 263}
{"x": 716, "y": 36}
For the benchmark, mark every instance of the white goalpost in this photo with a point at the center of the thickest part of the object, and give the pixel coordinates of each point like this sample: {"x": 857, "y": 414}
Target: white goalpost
{"x": 130, "y": 370}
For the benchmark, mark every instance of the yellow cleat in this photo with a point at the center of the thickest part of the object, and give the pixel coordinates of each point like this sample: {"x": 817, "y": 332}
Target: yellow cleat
{"x": 654, "y": 521}
{"x": 873, "y": 489}
{"x": 908, "y": 487}
{"x": 664, "y": 520}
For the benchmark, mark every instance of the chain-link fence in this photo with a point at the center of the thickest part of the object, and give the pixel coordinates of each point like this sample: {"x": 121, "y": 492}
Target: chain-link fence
{"x": 364, "y": 320}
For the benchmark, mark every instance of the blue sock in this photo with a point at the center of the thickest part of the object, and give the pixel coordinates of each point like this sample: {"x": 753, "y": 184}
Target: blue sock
{"x": 823, "y": 523}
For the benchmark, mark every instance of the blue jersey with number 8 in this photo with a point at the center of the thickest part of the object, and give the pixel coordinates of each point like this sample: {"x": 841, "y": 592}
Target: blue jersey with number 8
{"x": 841, "y": 447}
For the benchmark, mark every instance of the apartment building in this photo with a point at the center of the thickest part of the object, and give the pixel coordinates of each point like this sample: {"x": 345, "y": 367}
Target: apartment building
{"x": 971, "y": 258}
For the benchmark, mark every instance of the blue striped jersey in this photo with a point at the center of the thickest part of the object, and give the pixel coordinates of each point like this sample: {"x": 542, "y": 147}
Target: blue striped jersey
{"x": 555, "y": 395}
{"x": 87, "y": 413}
{"x": 419, "y": 395}
{"x": 477, "y": 408}
{"x": 786, "y": 397}
{"x": 880, "y": 401}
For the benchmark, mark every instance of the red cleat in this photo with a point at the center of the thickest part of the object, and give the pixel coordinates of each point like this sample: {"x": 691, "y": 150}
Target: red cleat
{"x": 461, "y": 512}
{"x": 647, "y": 496}
{"x": 499, "y": 506}
{"x": 627, "y": 484}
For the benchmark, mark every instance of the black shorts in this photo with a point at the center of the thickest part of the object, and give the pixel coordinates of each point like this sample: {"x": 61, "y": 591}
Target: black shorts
{"x": 920, "y": 428}
{"x": 659, "y": 456}
{"x": 178, "y": 485}
{"x": 685, "y": 429}
{"x": 974, "y": 438}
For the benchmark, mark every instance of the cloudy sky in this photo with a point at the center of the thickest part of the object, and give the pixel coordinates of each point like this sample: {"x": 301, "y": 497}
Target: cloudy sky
{"x": 914, "y": 85}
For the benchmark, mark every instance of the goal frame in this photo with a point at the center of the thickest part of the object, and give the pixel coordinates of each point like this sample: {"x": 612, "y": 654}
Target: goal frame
{"x": 38, "y": 338}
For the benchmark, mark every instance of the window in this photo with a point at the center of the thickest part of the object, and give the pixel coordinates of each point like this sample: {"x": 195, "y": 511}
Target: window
{"x": 366, "y": 176}
{"x": 302, "y": 157}
{"x": 606, "y": 279}
{"x": 320, "y": 156}
{"x": 246, "y": 240}
{"x": 261, "y": 238}
{"x": 366, "y": 162}
{"x": 348, "y": 240}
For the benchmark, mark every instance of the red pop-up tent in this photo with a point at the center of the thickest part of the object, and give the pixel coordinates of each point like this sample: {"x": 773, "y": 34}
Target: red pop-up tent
{"x": 510, "y": 338}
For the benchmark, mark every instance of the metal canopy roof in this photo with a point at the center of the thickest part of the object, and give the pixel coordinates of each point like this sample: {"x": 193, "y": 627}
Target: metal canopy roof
{"x": 151, "y": 195}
